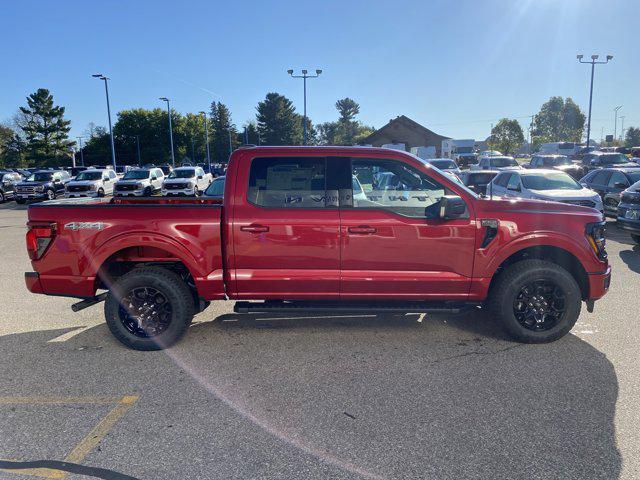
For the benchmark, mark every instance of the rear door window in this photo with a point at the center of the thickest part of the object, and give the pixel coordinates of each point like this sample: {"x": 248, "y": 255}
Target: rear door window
{"x": 295, "y": 182}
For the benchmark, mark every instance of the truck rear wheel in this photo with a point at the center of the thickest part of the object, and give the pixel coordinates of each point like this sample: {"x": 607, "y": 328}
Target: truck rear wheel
{"x": 536, "y": 301}
{"x": 149, "y": 308}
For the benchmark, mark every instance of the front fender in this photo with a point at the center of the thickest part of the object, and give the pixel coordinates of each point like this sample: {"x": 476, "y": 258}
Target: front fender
{"x": 488, "y": 260}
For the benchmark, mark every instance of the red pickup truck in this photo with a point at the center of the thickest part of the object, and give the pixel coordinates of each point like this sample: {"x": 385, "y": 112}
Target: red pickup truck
{"x": 321, "y": 229}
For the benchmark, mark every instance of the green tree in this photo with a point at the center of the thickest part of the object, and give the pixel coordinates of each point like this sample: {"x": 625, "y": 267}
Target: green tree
{"x": 224, "y": 133}
{"x": 506, "y": 136}
{"x": 45, "y": 130}
{"x": 12, "y": 148}
{"x": 348, "y": 109}
{"x": 278, "y": 123}
{"x": 346, "y": 130}
{"x": 559, "y": 120}
{"x": 632, "y": 137}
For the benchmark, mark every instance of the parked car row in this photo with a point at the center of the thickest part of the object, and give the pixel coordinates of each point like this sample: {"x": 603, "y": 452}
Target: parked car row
{"x": 100, "y": 182}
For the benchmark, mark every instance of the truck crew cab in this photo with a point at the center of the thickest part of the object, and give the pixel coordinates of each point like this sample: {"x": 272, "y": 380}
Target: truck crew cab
{"x": 291, "y": 234}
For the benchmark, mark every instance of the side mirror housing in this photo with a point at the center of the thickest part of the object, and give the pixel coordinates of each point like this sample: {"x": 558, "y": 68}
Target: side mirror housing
{"x": 153, "y": 178}
{"x": 452, "y": 207}
{"x": 199, "y": 177}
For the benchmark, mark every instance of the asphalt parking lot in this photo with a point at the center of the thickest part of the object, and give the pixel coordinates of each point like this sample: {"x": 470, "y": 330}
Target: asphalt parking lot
{"x": 351, "y": 397}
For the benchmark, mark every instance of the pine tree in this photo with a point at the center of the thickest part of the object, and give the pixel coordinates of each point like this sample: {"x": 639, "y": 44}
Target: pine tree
{"x": 45, "y": 129}
{"x": 224, "y": 133}
{"x": 278, "y": 123}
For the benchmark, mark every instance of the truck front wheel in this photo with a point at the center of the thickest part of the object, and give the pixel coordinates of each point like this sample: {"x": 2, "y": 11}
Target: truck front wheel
{"x": 536, "y": 301}
{"x": 636, "y": 238}
{"x": 149, "y": 308}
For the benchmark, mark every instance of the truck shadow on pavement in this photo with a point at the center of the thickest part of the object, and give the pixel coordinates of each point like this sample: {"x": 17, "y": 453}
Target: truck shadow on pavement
{"x": 348, "y": 397}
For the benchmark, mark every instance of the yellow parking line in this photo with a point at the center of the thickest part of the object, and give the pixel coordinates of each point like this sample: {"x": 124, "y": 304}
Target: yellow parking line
{"x": 94, "y": 437}
{"x": 89, "y": 442}
{"x": 45, "y": 400}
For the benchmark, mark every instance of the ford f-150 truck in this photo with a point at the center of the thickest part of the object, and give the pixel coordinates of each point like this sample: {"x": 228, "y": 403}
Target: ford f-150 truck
{"x": 292, "y": 235}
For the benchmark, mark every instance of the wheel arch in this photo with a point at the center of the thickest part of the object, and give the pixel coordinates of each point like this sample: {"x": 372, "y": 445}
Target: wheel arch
{"x": 552, "y": 253}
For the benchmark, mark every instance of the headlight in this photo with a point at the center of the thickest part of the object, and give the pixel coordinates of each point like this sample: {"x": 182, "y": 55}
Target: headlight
{"x": 139, "y": 185}
{"x": 596, "y": 236}
{"x": 93, "y": 186}
{"x": 39, "y": 188}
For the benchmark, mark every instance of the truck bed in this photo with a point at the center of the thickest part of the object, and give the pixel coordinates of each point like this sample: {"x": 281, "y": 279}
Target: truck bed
{"x": 92, "y": 234}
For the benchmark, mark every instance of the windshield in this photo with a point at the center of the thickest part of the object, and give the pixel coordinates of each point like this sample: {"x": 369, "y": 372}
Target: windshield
{"x": 480, "y": 178}
{"x": 550, "y": 181}
{"x": 136, "y": 175}
{"x": 443, "y": 164}
{"x": 41, "y": 177}
{"x": 464, "y": 149}
{"x": 562, "y": 160}
{"x": 89, "y": 176}
{"x": 216, "y": 189}
{"x": 503, "y": 162}
{"x": 188, "y": 173}
{"x": 613, "y": 158}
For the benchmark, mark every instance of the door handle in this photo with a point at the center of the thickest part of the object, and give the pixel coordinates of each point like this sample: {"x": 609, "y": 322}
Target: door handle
{"x": 254, "y": 228}
{"x": 362, "y": 229}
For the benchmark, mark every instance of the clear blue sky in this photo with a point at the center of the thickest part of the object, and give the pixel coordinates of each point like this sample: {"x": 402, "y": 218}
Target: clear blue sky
{"x": 454, "y": 66}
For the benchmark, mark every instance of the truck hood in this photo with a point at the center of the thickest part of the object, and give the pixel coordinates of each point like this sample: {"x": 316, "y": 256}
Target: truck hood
{"x": 32, "y": 184}
{"x": 82, "y": 183}
{"x": 130, "y": 182}
{"x": 584, "y": 194}
{"x": 171, "y": 181}
{"x": 538, "y": 207}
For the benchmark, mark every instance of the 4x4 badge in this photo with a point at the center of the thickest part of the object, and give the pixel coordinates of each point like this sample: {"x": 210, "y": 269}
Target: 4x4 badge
{"x": 84, "y": 226}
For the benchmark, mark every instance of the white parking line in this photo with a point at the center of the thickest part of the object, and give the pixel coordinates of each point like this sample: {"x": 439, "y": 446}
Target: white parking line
{"x": 69, "y": 335}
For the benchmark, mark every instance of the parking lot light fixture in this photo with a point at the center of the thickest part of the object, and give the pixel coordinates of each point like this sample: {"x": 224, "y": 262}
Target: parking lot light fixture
{"x": 304, "y": 76}
{"x": 106, "y": 90}
{"x": 593, "y": 63}
{"x": 173, "y": 157}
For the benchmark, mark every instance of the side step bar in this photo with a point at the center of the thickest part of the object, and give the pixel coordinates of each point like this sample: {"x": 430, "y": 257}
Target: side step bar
{"x": 351, "y": 307}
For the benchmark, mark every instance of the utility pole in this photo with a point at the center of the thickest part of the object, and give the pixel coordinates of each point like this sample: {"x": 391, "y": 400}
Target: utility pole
{"x": 173, "y": 157}
{"x": 593, "y": 63}
{"x": 304, "y": 77}
{"x": 206, "y": 136}
{"x": 81, "y": 153}
{"x": 621, "y": 127}
{"x": 106, "y": 90}
{"x": 138, "y": 149}
{"x": 615, "y": 121}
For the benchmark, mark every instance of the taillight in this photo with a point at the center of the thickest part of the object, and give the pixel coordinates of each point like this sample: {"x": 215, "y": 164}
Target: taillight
{"x": 596, "y": 237}
{"x": 39, "y": 237}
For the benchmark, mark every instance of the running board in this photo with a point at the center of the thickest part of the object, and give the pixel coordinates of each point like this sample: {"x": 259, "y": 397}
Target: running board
{"x": 351, "y": 307}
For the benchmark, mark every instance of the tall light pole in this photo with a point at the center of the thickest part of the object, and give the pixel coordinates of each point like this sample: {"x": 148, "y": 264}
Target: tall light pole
{"x": 106, "y": 90}
{"x": 621, "y": 127}
{"x": 304, "y": 77}
{"x": 593, "y": 63}
{"x": 138, "y": 150}
{"x": 615, "y": 121}
{"x": 81, "y": 153}
{"x": 173, "y": 157}
{"x": 206, "y": 137}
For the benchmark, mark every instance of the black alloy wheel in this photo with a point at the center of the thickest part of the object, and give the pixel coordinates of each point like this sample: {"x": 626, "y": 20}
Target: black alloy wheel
{"x": 540, "y": 305}
{"x": 145, "y": 312}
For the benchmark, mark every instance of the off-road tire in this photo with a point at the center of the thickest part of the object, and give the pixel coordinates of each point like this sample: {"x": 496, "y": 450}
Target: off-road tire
{"x": 100, "y": 192}
{"x": 636, "y": 238}
{"x": 504, "y": 292}
{"x": 148, "y": 192}
{"x": 51, "y": 194}
{"x": 21, "y": 201}
{"x": 174, "y": 289}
